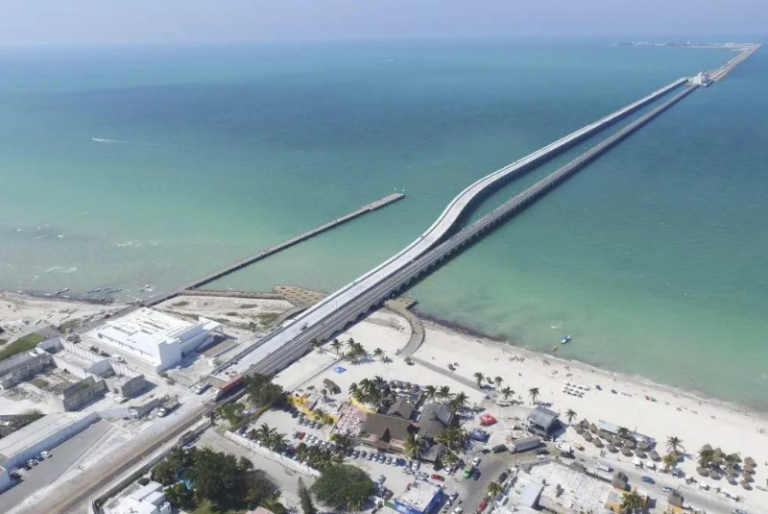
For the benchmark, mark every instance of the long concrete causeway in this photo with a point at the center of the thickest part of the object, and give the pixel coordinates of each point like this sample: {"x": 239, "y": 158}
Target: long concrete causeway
{"x": 345, "y": 306}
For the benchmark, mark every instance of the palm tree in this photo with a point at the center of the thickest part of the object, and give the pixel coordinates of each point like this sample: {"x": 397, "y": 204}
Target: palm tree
{"x": 494, "y": 489}
{"x": 430, "y": 392}
{"x": 336, "y": 345}
{"x": 444, "y": 392}
{"x": 632, "y": 502}
{"x": 669, "y": 461}
{"x": 570, "y": 414}
{"x": 674, "y": 444}
{"x": 506, "y": 392}
{"x": 458, "y": 401}
{"x": 623, "y": 433}
{"x": 264, "y": 434}
{"x": 278, "y": 442}
{"x": 449, "y": 458}
{"x": 498, "y": 381}
{"x": 350, "y": 343}
{"x": 353, "y": 389}
{"x": 379, "y": 353}
{"x": 411, "y": 446}
{"x": 315, "y": 344}
{"x": 479, "y": 378}
{"x": 321, "y": 415}
{"x": 533, "y": 392}
{"x": 706, "y": 457}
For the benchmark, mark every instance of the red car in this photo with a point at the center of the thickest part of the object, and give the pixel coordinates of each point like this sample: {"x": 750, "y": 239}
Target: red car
{"x": 435, "y": 476}
{"x": 483, "y": 505}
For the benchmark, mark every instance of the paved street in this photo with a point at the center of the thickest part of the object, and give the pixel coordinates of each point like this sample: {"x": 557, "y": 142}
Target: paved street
{"x": 45, "y": 473}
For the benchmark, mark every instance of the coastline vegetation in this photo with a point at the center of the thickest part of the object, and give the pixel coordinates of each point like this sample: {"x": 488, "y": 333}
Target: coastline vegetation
{"x": 20, "y": 345}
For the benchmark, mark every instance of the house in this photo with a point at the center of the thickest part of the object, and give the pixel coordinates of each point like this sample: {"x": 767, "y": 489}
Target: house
{"x": 386, "y": 432}
{"x": 421, "y": 497}
{"x": 401, "y": 408}
{"x": 435, "y": 417}
{"x": 543, "y": 421}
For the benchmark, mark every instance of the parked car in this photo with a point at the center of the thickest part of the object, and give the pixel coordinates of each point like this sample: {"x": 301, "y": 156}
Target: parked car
{"x": 503, "y": 477}
{"x": 483, "y": 505}
{"x": 32, "y": 462}
{"x": 436, "y": 476}
{"x": 738, "y": 511}
{"x": 647, "y": 480}
{"x": 45, "y": 454}
{"x": 356, "y": 453}
{"x": 458, "y": 510}
{"x": 370, "y": 456}
{"x": 476, "y": 461}
{"x": 389, "y": 460}
{"x": 668, "y": 489}
{"x": 363, "y": 454}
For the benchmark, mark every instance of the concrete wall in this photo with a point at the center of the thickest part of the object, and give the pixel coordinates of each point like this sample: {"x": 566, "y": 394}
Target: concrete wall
{"x": 119, "y": 414}
{"x": 131, "y": 386}
{"x": 266, "y": 452}
{"x": 53, "y": 440}
{"x": 5, "y": 479}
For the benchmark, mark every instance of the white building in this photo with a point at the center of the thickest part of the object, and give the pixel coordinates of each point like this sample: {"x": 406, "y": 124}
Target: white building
{"x": 43, "y": 434}
{"x": 148, "y": 499}
{"x": 153, "y": 338}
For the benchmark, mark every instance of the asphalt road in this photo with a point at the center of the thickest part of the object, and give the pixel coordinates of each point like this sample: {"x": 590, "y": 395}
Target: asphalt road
{"x": 46, "y": 472}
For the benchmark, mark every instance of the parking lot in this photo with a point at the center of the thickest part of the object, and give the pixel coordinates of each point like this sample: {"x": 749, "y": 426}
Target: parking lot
{"x": 49, "y": 470}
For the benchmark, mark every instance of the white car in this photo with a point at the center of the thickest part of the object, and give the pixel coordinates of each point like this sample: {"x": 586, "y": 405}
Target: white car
{"x": 45, "y": 454}
{"x": 476, "y": 461}
{"x": 458, "y": 510}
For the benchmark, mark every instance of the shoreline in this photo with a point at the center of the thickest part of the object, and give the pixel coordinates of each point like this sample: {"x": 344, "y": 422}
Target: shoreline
{"x": 498, "y": 342}
{"x": 503, "y": 343}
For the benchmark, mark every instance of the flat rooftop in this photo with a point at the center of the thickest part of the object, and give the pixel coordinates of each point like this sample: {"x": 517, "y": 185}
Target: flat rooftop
{"x": 30, "y": 435}
{"x": 579, "y": 491}
{"x": 144, "y": 327}
{"x": 419, "y": 495}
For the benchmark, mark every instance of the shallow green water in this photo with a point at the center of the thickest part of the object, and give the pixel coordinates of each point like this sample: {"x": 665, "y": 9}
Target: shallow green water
{"x": 652, "y": 258}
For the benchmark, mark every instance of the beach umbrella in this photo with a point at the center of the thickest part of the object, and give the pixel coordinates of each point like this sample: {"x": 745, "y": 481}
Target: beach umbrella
{"x": 632, "y": 444}
{"x": 714, "y": 475}
{"x": 750, "y": 462}
{"x": 655, "y": 455}
{"x": 587, "y": 436}
{"x": 626, "y": 452}
{"x": 579, "y": 429}
{"x": 612, "y": 448}
{"x": 702, "y": 471}
{"x": 643, "y": 445}
{"x": 746, "y": 485}
{"x": 593, "y": 428}
{"x": 706, "y": 448}
{"x": 747, "y": 477}
{"x": 597, "y": 442}
{"x": 641, "y": 454}
{"x": 584, "y": 423}
{"x": 749, "y": 468}
{"x": 733, "y": 480}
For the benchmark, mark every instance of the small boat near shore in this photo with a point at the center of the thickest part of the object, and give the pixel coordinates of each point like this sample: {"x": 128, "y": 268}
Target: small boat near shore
{"x": 565, "y": 339}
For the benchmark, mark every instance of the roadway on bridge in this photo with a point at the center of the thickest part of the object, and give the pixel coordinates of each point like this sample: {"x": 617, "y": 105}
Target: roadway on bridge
{"x": 320, "y": 312}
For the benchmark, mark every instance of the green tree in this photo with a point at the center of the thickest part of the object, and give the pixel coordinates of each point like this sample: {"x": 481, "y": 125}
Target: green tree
{"x": 674, "y": 444}
{"x": 506, "y": 392}
{"x": 179, "y": 496}
{"x": 430, "y": 392}
{"x": 498, "y": 381}
{"x": 315, "y": 344}
{"x": 494, "y": 489}
{"x": 569, "y": 415}
{"x": 706, "y": 457}
{"x": 443, "y": 393}
{"x": 261, "y": 391}
{"x": 343, "y": 487}
{"x": 458, "y": 402}
{"x": 217, "y": 476}
{"x": 669, "y": 461}
{"x": 336, "y": 345}
{"x": 232, "y": 412}
{"x": 533, "y": 392}
{"x": 632, "y": 502}
{"x": 479, "y": 377}
{"x": 411, "y": 446}
{"x": 305, "y": 498}
{"x": 379, "y": 353}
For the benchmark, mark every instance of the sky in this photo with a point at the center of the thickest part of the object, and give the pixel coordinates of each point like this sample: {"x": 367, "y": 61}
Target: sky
{"x": 144, "y": 21}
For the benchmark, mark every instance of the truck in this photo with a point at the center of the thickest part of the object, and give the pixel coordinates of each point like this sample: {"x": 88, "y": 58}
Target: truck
{"x": 524, "y": 444}
{"x": 602, "y": 466}
{"x": 565, "y": 449}
{"x": 468, "y": 471}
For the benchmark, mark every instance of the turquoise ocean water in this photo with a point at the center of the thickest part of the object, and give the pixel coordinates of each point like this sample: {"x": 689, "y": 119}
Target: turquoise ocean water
{"x": 151, "y": 165}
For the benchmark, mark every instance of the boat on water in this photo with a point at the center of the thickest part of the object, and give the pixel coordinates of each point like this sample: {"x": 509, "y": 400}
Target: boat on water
{"x": 565, "y": 339}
